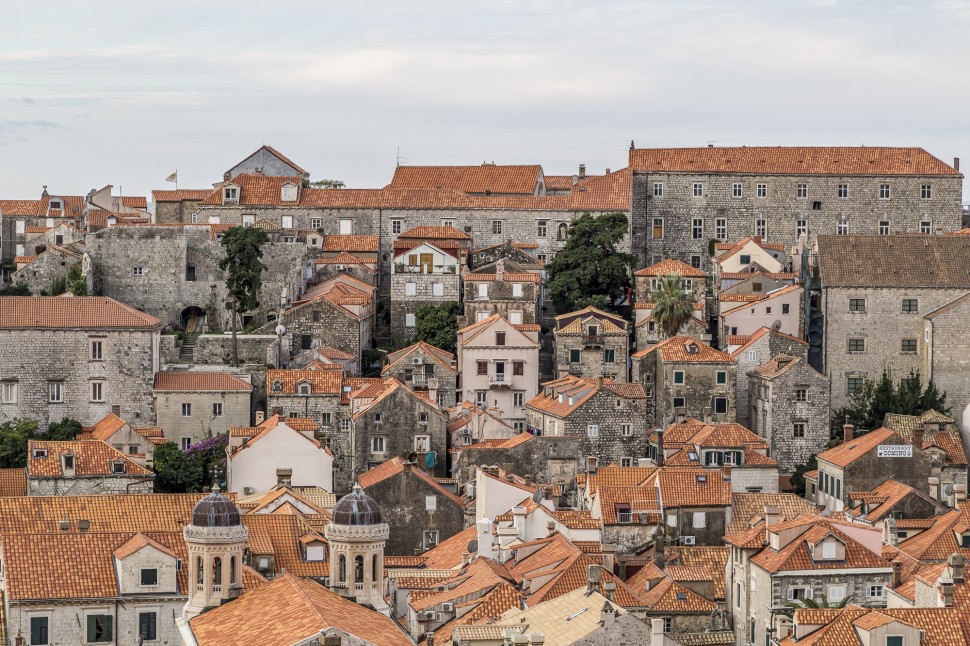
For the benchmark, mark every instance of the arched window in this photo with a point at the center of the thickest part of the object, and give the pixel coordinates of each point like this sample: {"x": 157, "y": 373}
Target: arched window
{"x": 563, "y": 229}
{"x": 200, "y": 569}
{"x": 358, "y": 569}
{"x": 217, "y": 571}
{"x": 342, "y": 568}
{"x": 232, "y": 570}
{"x": 374, "y": 570}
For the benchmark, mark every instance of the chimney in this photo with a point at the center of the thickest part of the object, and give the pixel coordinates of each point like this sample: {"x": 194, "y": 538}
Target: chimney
{"x": 260, "y": 417}
{"x": 946, "y": 590}
{"x": 772, "y": 515}
{"x": 609, "y": 557}
{"x": 485, "y": 538}
{"x": 757, "y": 240}
{"x": 956, "y": 163}
{"x": 500, "y": 269}
{"x": 550, "y": 528}
{"x": 330, "y": 640}
{"x": 660, "y": 547}
{"x": 466, "y": 558}
{"x": 960, "y": 492}
{"x": 848, "y": 431}
{"x": 607, "y": 171}
{"x": 897, "y": 573}
{"x": 918, "y": 437}
{"x": 582, "y": 171}
{"x": 660, "y": 447}
{"x": 592, "y": 577}
{"x": 955, "y": 561}
{"x": 518, "y": 521}
{"x": 609, "y": 588}
{"x": 934, "y": 487}
{"x": 708, "y": 415}
{"x": 890, "y": 535}
{"x": 430, "y": 638}
{"x": 643, "y": 462}
{"x": 536, "y": 639}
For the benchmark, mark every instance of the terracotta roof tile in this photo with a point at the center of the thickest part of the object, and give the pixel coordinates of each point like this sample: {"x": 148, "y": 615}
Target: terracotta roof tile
{"x": 871, "y": 261}
{"x": 13, "y": 482}
{"x": 748, "y": 509}
{"x": 91, "y": 458}
{"x": 671, "y": 267}
{"x": 322, "y": 382}
{"x": 79, "y": 312}
{"x": 395, "y": 466}
{"x": 847, "y": 452}
{"x": 180, "y": 195}
{"x": 514, "y": 180}
{"x": 435, "y": 233}
{"x": 439, "y": 356}
{"x": 678, "y": 349}
{"x": 797, "y": 556}
{"x": 192, "y": 381}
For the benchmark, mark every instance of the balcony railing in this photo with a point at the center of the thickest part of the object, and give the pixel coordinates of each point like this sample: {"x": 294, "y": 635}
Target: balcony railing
{"x": 592, "y": 340}
{"x": 499, "y": 381}
{"x": 401, "y": 268}
{"x": 624, "y": 517}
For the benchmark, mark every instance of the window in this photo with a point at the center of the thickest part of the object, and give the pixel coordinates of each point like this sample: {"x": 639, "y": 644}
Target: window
{"x": 287, "y": 222}
{"x": 857, "y": 345}
{"x": 517, "y": 290}
{"x": 39, "y": 627}
{"x": 422, "y": 443}
{"x": 658, "y": 229}
{"x": 925, "y": 226}
{"x": 438, "y": 289}
{"x": 884, "y": 191}
{"x": 186, "y": 443}
{"x": 658, "y": 189}
{"x": 97, "y": 391}
{"x": 482, "y": 291}
{"x": 836, "y": 593}
{"x": 395, "y": 226}
{"x": 799, "y": 593}
{"x": 678, "y": 377}
{"x": 377, "y": 444}
{"x": 878, "y": 590}
{"x": 695, "y": 262}
{"x": 500, "y": 338}
{"x": 592, "y": 430}
{"x": 785, "y": 308}
{"x": 97, "y": 350}
{"x": 798, "y": 430}
{"x": 186, "y": 410}
{"x": 481, "y": 367}
{"x": 316, "y": 223}
{"x": 910, "y": 305}
{"x": 515, "y": 317}
{"x": 55, "y": 391}
{"x": 410, "y": 289}
{"x": 249, "y": 220}
{"x": 699, "y": 521}
{"x": 843, "y": 191}
{"x": 842, "y": 228}
{"x": 761, "y": 228}
{"x": 626, "y": 430}
{"x": 720, "y": 405}
{"x": 853, "y": 385}
{"x": 884, "y": 227}
{"x": 148, "y": 626}
{"x": 857, "y": 305}
{"x": 609, "y": 356}
{"x": 574, "y": 356}
{"x": 801, "y": 228}
{"x": 430, "y": 503}
{"x": 409, "y": 320}
{"x": 217, "y": 409}
{"x": 100, "y": 628}
{"x": 8, "y": 392}
{"x": 752, "y": 355}
{"x": 430, "y": 538}
{"x": 801, "y": 191}
{"x": 345, "y": 425}
{"x": 909, "y": 345}
{"x": 737, "y": 190}
{"x": 377, "y": 418}
{"x": 816, "y": 205}
{"x": 679, "y": 402}
{"x": 518, "y": 368}
{"x": 721, "y": 377}
{"x": 496, "y": 227}
{"x": 698, "y": 189}
{"x": 481, "y": 397}
{"x": 149, "y": 576}
{"x": 346, "y": 227}
{"x": 518, "y": 398}
{"x": 720, "y": 228}
{"x": 626, "y": 462}
{"x": 542, "y": 227}
{"x": 801, "y": 394}
{"x": 137, "y": 271}
{"x": 926, "y": 191}
{"x": 762, "y": 190}
{"x": 697, "y": 228}
{"x": 894, "y": 640}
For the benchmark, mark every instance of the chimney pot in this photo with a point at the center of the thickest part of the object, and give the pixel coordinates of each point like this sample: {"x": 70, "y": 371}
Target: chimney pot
{"x": 848, "y": 431}
{"x": 582, "y": 171}
{"x": 918, "y": 437}
{"x": 592, "y": 577}
{"x": 956, "y": 163}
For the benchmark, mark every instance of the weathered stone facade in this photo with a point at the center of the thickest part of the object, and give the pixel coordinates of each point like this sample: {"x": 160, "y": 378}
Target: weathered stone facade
{"x": 945, "y": 352}
{"x": 592, "y": 343}
{"x": 513, "y": 296}
{"x": 422, "y": 367}
{"x": 550, "y": 459}
{"x": 789, "y": 406}
{"x": 48, "y": 267}
{"x": 762, "y": 346}
{"x": 195, "y": 410}
{"x": 415, "y": 284}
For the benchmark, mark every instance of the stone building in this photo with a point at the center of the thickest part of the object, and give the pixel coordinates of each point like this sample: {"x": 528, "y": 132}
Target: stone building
{"x": 76, "y": 357}
{"x": 756, "y": 351}
{"x": 649, "y": 333}
{"x": 809, "y": 557}
{"x": 172, "y": 272}
{"x": 942, "y": 440}
{"x": 789, "y": 406}
{"x": 357, "y": 536}
{"x": 137, "y": 444}
{"x": 269, "y": 162}
{"x": 191, "y": 406}
{"x": 695, "y": 280}
{"x": 446, "y": 238}
{"x": 944, "y": 354}
{"x": 685, "y": 377}
{"x": 682, "y": 198}
{"x": 513, "y": 253}
{"x": 874, "y": 306}
{"x": 177, "y": 207}
{"x": 366, "y": 271}
{"x": 38, "y": 239}
{"x": 505, "y": 289}
{"x": 891, "y": 499}
{"x": 748, "y": 255}
{"x": 420, "y": 512}
{"x": 545, "y": 458}
{"x": 607, "y": 416}
{"x": 420, "y": 276}
{"x": 277, "y": 454}
{"x": 40, "y": 273}
{"x": 390, "y": 419}
{"x": 592, "y": 343}
{"x": 499, "y": 366}
{"x": 83, "y": 468}
{"x": 423, "y": 367}
{"x": 779, "y": 309}
{"x": 470, "y": 424}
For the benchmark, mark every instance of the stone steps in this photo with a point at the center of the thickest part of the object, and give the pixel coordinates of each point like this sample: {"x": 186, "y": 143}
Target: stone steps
{"x": 187, "y": 351}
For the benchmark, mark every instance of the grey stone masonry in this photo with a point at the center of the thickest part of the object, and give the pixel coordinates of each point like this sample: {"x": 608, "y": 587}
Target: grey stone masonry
{"x": 545, "y": 458}
{"x": 683, "y": 198}
{"x": 51, "y": 265}
{"x": 412, "y": 290}
{"x": 763, "y": 345}
{"x": 592, "y": 343}
{"x": 789, "y": 408}
{"x": 422, "y": 367}
{"x": 513, "y": 296}
{"x": 945, "y": 351}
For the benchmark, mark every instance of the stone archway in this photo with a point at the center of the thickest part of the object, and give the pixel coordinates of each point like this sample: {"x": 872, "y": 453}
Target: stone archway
{"x": 192, "y": 319}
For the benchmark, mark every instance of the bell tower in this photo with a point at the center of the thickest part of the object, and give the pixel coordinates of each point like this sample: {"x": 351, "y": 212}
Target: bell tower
{"x": 357, "y": 535}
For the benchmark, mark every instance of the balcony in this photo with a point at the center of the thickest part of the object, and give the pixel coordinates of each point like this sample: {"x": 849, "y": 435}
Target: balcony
{"x": 592, "y": 340}
{"x": 500, "y": 381}
{"x": 401, "y": 268}
{"x": 624, "y": 517}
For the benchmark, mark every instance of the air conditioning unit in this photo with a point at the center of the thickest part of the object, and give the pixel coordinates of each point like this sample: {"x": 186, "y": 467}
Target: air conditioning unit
{"x": 447, "y": 607}
{"x": 341, "y": 267}
{"x": 689, "y": 540}
{"x": 417, "y": 361}
{"x": 248, "y": 490}
{"x": 429, "y": 615}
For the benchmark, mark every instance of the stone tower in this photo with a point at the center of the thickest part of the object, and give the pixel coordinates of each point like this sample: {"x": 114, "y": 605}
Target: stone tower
{"x": 357, "y": 535}
{"x": 216, "y": 539}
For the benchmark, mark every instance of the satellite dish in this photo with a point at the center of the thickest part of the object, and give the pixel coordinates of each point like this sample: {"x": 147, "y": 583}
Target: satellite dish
{"x": 948, "y": 490}
{"x": 473, "y": 546}
{"x": 776, "y": 326}
{"x": 537, "y": 496}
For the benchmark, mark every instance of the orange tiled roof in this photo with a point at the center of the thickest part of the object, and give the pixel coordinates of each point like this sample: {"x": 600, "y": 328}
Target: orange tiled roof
{"x": 787, "y": 160}
{"x": 91, "y": 458}
{"x": 886, "y": 495}
{"x": 748, "y": 509}
{"x": 569, "y": 393}
{"x": 191, "y": 381}
{"x": 310, "y": 609}
{"x": 447, "y": 554}
{"x": 796, "y": 555}
{"x": 77, "y": 312}
{"x": 435, "y": 233}
{"x": 688, "y": 487}
{"x": 670, "y": 266}
{"x": 440, "y": 357}
{"x": 759, "y": 333}
{"x": 257, "y": 190}
{"x": 322, "y": 382}
{"x": 137, "y": 542}
{"x": 510, "y": 180}
{"x": 267, "y": 427}
{"x": 670, "y": 596}
{"x": 487, "y": 609}
{"x": 781, "y": 291}
{"x": 395, "y": 466}
{"x": 13, "y": 482}
{"x": 847, "y": 452}
{"x": 505, "y": 277}
{"x": 678, "y": 350}
{"x": 350, "y": 243}
{"x": 180, "y": 195}
{"x": 838, "y": 627}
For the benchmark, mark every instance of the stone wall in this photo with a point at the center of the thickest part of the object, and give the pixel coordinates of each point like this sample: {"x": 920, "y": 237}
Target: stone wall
{"x": 257, "y": 349}
{"x": 591, "y": 356}
{"x": 201, "y": 422}
{"x": 90, "y": 485}
{"x": 63, "y": 620}
{"x": 402, "y": 304}
{"x": 39, "y": 275}
{"x": 334, "y": 422}
{"x": 713, "y": 526}
{"x": 945, "y": 355}
{"x": 699, "y": 390}
{"x": 501, "y": 301}
{"x": 781, "y": 209}
{"x": 543, "y": 459}
{"x": 756, "y": 355}
{"x": 417, "y": 377}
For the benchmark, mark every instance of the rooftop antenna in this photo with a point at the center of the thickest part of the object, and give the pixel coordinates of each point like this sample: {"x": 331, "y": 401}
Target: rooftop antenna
{"x": 711, "y": 142}
{"x": 399, "y": 158}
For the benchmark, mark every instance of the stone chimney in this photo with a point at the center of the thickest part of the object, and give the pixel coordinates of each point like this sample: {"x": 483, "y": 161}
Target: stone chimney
{"x": 946, "y": 590}
{"x": 500, "y": 269}
{"x": 918, "y": 437}
{"x": 848, "y": 431}
{"x": 955, "y": 561}
{"x": 956, "y": 163}
{"x": 660, "y": 447}
{"x": 260, "y": 417}
{"x": 609, "y": 556}
{"x": 660, "y": 547}
{"x": 935, "y": 493}
{"x": 466, "y": 558}
{"x": 329, "y": 640}
{"x": 889, "y": 534}
{"x": 610, "y": 589}
{"x": 960, "y": 492}
{"x": 518, "y": 521}
{"x": 772, "y": 515}
{"x": 757, "y": 240}
{"x": 593, "y": 574}
{"x": 485, "y": 538}
{"x": 582, "y": 171}
{"x": 897, "y": 573}
{"x": 550, "y": 528}
{"x": 708, "y": 415}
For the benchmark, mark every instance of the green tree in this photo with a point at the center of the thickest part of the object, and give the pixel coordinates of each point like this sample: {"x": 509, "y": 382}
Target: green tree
{"x": 868, "y": 406}
{"x": 798, "y": 478}
{"x": 14, "y": 436}
{"x": 64, "y": 430}
{"x": 325, "y": 183}
{"x": 589, "y": 266}
{"x": 438, "y": 325}
{"x": 75, "y": 281}
{"x": 175, "y": 471}
{"x": 20, "y": 289}
{"x": 672, "y": 305}
{"x": 244, "y": 274}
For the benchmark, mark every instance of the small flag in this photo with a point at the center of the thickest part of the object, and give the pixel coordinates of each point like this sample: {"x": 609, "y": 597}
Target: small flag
{"x": 174, "y": 177}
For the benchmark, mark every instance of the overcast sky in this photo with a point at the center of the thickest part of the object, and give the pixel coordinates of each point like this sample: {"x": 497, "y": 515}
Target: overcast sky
{"x": 93, "y": 93}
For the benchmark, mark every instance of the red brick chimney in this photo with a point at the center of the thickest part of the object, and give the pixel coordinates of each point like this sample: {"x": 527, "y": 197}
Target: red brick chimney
{"x": 848, "y": 431}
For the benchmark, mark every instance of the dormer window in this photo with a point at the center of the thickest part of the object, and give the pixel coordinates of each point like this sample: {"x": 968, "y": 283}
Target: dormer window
{"x": 68, "y": 461}
{"x": 316, "y": 552}
{"x": 40, "y": 453}
{"x": 303, "y": 388}
{"x": 277, "y": 387}
{"x": 230, "y": 195}
{"x": 56, "y": 204}
{"x": 117, "y": 467}
{"x": 288, "y": 193}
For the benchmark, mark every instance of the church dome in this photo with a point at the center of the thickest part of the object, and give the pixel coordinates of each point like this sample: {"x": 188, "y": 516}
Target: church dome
{"x": 357, "y": 508}
{"x": 215, "y": 510}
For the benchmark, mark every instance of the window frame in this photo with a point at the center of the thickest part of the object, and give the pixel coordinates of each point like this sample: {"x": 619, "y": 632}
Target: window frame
{"x": 737, "y": 190}
{"x": 697, "y": 189}
{"x": 853, "y": 303}
{"x": 6, "y": 388}
{"x": 909, "y": 306}
{"x": 761, "y": 190}
{"x": 658, "y": 189}
{"x": 697, "y": 228}
{"x": 801, "y": 191}
{"x": 678, "y": 378}
{"x": 496, "y": 227}
{"x": 926, "y": 191}
{"x": 141, "y": 577}
{"x": 885, "y": 192}
{"x": 55, "y": 392}
{"x": 842, "y": 192}
{"x": 107, "y": 637}
{"x": 798, "y": 430}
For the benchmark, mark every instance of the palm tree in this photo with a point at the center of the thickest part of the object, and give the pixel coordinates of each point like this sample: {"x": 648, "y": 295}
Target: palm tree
{"x": 806, "y": 602}
{"x": 672, "y": 305}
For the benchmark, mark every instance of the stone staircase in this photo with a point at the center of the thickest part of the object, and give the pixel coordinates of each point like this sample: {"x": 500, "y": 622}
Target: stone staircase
{"x": 547, "y": 349}
{"x": 187, "y": 351}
